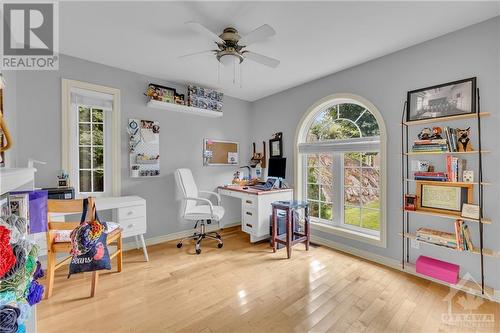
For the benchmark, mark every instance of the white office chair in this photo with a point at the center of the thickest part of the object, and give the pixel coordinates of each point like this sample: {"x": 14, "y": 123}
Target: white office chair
{"x": 202, "y": 214}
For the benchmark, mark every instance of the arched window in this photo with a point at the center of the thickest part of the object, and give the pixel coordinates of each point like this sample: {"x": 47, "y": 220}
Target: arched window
{"x": 341, "y": 167}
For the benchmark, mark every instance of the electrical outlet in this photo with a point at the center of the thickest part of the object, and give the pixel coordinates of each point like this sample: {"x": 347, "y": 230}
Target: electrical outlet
{"x": 415, "y": 244}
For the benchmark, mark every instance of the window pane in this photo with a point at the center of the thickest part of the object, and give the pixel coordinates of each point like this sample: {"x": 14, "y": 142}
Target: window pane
{"x": 85, "y": 158}
{"x": 352, "y": 196}
{"x": 312, "y": 174}
{"x": 350, "y": 111}
{"x": 98, "y": 157}
{"x": 326, "y": 193}
{"x": 84, "y": 134}
{"x": 97, "y": 116}
{"x": 352, "y": 216}
{"x": 352, "y": 159}
{"x": 85, "y": 181}
{"x": 313, "y": 208}
{"x": 352, "y": 176}
{"x": 97, "y": 134}
{"x": 326, "y": 211}
{"x": 370, "y": 197}
{"x": 312, "y": 160}
{"x": 370, "y": 177}
{"x": 98, "y": 180}
{"x": 83, "y": 114}
{"x": 370, "y": 219}
{"x": 313, "y": 191}
{"x": 371, "y": 160}
{"x": 368, "y": 125}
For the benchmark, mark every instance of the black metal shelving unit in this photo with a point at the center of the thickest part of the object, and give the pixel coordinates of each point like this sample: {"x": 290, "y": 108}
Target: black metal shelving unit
{"x": 405, "y": 182}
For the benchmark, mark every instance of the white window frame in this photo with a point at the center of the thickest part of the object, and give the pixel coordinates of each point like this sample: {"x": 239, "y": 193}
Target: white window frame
{"x": 340, "y": 229}
{"x": 113, "y": 118}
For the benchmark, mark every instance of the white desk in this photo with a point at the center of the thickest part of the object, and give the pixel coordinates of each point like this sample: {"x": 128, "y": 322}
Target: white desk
{"x": 256, "y": 208}
{"x": 129, "y": 212}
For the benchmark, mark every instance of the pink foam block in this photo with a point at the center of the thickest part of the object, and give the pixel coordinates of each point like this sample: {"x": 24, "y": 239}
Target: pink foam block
{"x": 438, "y": 269}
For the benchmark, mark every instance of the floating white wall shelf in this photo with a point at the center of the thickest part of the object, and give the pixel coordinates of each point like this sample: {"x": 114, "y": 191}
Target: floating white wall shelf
{"x": 183, "y": 109}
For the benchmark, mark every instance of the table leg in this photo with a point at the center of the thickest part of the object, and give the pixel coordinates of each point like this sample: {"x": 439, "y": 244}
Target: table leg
{"x": 289, "y": 217}
{"x": 144, "y": 248}
{"x": 274, "y": 231}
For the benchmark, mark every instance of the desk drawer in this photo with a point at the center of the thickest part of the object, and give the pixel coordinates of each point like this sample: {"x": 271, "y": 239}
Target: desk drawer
{"x": 249, "y": 202}
{"x": 131, "y": 212}
{"x": 249, "y": 220}
{"x": 132, "y": 227}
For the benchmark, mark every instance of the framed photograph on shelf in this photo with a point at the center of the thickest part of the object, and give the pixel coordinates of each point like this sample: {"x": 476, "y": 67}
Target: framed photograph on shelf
{"x": 444, "y": 100}
{"x": 444, "y": 198}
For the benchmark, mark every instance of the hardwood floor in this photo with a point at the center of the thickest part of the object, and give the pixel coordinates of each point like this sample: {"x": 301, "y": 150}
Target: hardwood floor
{"x": 247, "y": 288}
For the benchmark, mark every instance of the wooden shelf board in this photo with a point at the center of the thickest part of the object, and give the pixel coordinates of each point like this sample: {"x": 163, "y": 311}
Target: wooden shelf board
{"x": 448, "y": 216}
{"x": 463, "y": 284}
{"x": 454, "y": 183}
{"x": 486, "y": 252}
{"x": 183, "y": 109}
{"x": 435, "y": 120}
{"x": 412, "y": 153}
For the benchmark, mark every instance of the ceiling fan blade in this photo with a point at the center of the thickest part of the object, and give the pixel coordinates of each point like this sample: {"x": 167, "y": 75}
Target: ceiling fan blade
{"x": 261, "y": 33}
{"x": 197, "y": 53}
{"x": 261, "y": 59}
{"x": 200, "y": 28}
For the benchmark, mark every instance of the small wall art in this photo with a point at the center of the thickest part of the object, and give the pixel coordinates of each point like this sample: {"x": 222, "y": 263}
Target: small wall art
{"x": 144, "y": 148}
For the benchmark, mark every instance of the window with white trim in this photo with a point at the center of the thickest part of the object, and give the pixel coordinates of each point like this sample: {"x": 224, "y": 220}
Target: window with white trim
{"x": 91, "y": 141}
{"x": 340, "y": 151}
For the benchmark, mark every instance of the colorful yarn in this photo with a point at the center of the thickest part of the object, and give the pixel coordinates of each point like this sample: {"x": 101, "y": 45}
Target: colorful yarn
{"x": 8, "y": 258}
{"x": 38, "y": 274}
{"x": 19, "y": 251}
{"x": 35, "y": 293}
{"x": 20, "y": 223}
{"x": 8, "y": 319}
{"x": 21, "y": 329}
{"x": 7, "y": 297}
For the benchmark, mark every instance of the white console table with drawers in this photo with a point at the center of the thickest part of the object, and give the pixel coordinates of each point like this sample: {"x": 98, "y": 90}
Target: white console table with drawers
{"x": 256, "y": 208}
{"x": 128, "y": 211}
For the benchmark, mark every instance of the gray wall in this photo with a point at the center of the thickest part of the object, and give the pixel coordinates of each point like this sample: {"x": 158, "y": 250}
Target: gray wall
{"x": 470, "y": 52}
{"x": 181, "y": 137}
{"x": 473, "y": 51}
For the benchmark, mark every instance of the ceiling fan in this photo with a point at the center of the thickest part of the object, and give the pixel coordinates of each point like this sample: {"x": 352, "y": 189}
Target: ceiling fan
{"x": 231, "y": 47}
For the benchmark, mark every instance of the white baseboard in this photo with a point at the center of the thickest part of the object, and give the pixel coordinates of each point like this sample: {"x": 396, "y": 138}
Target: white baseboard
{"x": 129, "y": 245}
{"x": 392, "y": 263}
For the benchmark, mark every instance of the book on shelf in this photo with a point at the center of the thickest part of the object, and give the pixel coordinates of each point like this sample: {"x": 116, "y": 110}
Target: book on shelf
{"x": 432, "y": 176}
{"x": 455, "y": 168}
{"x": 460, "y": 240}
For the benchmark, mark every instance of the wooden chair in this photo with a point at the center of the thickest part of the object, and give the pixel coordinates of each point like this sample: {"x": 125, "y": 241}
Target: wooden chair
{"x": 72, "y": 207}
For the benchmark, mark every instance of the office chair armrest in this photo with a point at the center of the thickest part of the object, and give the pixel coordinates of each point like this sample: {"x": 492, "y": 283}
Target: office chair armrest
{"x": 203, "y": 200}
{"x": 213, "y": 193}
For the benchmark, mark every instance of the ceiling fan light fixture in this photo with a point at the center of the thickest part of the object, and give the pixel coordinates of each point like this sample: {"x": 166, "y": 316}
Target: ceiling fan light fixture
{"x": 229, "y": 58}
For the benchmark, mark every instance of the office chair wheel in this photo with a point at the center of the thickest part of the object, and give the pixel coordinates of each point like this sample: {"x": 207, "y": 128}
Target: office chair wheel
{"x": 198, "y": 251}
{"x": 179, "y": 245}
{"x": 218, "y": 237}
{"x": 220, "y": 245}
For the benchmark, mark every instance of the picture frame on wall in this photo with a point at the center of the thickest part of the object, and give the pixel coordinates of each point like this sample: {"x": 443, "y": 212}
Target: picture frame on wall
{"x": 276, "y": 146}
{"x": 443, "y": 100}
{"x": 443, "y": 198}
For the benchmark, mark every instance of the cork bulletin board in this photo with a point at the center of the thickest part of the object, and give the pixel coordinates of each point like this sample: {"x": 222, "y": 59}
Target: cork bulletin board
{"x": 220, "y": 152}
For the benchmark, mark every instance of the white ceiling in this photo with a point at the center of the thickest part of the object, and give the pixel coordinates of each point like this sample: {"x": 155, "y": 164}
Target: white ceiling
{"x": 313, "y": 39}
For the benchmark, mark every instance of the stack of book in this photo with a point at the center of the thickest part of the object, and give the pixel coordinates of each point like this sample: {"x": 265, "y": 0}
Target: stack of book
{"x": 431, "y": 145}
{"x": 460, "y": 240}
{"x": 432, "y": 176}
{"x": 455, "y": 168}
